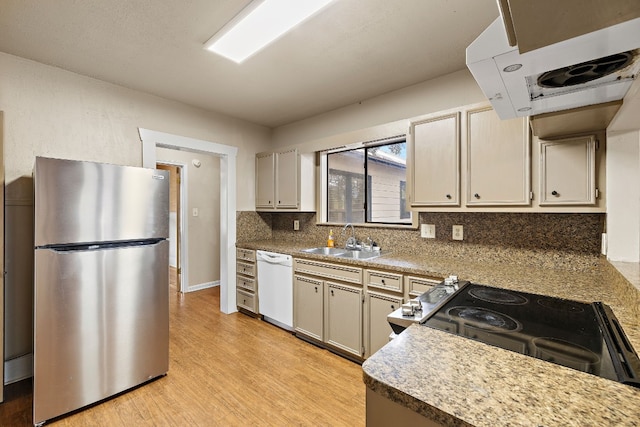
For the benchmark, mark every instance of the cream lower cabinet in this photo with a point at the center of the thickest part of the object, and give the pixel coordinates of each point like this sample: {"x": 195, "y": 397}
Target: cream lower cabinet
{"x": 384, "y": 294}
{"x": 246, "y": 282}
{"x": 343, "y": 317}
{"x": 308, "y": 307}
{"x": 328, "y": 305}
{"x": 379, "y": 306}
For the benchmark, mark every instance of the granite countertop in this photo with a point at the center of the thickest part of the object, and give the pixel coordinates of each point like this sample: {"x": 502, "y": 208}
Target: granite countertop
{"x": 458, "y": 382}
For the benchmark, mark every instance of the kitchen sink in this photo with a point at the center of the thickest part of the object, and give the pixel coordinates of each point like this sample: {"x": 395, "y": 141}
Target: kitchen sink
{"x": 325, "y": 251}
{"x": 359, "y": 254}
{"x": 343, "y": 253}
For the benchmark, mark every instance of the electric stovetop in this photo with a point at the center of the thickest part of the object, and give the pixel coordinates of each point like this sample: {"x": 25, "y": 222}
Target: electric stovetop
{"x": 578, "y": 335}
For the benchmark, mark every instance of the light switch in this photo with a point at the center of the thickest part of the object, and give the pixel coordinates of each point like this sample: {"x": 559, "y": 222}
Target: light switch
{"x": 428, "y": 231}
{"x": 195, "y": 211}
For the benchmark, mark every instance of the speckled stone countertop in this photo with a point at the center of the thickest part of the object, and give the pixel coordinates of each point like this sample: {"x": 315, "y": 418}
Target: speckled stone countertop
{"x": 459, "y": 382}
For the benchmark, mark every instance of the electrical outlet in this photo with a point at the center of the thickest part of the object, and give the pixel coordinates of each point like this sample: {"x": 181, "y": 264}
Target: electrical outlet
{"x": 296, "y": 225}
{"x": 458, "y": 232}
{"x": 428, "y": 231}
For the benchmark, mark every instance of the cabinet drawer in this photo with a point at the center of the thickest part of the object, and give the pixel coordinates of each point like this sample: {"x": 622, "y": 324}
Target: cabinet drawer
{"x": 246, "y": 300}
{"x": 383, "y": 280}
{"x": 419, "y": 285}
{"x": 246, "y": 254}
{"x": 246, "y": 283}
{"x": 245, "y": 268}
{"x": 328, "y": 270}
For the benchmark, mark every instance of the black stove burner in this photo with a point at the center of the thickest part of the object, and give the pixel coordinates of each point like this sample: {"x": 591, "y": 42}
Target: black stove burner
{"x": 482, "y": 318}
{"x": 499, "y": 296}
{"x": 578, "y": 335}
{"x": 561, "y": 305}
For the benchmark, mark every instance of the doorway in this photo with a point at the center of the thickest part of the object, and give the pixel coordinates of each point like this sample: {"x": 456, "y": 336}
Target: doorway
{"x": 228, "y": 159}
{"x": 175, "y": 224}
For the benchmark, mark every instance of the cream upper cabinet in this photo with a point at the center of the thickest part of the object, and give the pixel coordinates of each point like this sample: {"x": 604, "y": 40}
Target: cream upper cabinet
{"x": 568, "y": 171}
{"x": 435, "y": 152}
{"x": 285, "y": 181}
{"x": 265, "y": 182}
{"x": 498, "y": 159}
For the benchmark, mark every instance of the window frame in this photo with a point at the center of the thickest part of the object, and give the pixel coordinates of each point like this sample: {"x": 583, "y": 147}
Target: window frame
{"x": 323, "y": 205}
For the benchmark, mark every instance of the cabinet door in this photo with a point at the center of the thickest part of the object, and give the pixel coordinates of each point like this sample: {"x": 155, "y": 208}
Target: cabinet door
{"x": 435, "y": 155}
{"x": 378, "y": 307}
{"x": 567, "y": 171}
{"x": 343, "y": 317}
{"x": 287, "y": 179}
{"x": 308, "y": 304}
{"x": 498, "y": 159}
{"x": 265, "y": 172}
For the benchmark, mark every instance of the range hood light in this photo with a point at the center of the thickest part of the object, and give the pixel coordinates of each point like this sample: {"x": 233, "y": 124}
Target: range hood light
{"x": 512, "y": 67}
{"x": 523, "y": 109}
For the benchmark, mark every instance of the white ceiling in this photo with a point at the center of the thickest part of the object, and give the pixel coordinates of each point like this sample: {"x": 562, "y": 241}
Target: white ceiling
{"x": 351, "y": 51}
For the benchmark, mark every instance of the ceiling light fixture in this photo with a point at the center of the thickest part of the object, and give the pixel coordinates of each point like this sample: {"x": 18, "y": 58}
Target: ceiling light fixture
{"x": 258, "y": 24}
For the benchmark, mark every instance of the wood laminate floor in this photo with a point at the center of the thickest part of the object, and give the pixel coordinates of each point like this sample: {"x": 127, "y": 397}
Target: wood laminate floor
{"x": 225, "y": 370}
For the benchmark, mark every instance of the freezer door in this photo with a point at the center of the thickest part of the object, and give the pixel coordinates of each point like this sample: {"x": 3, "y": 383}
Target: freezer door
{"x": 101, "y": 324}
{"x": 80, "y": 202}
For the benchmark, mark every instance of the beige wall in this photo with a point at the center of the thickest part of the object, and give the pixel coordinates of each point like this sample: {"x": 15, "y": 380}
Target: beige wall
{"x": 379, "y": 117}
{"x": 203, "y": 193}
{"x": 55, "y": 113}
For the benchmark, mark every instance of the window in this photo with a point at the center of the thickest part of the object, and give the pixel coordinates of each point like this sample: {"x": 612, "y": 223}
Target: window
{"x": 381, "y": 197}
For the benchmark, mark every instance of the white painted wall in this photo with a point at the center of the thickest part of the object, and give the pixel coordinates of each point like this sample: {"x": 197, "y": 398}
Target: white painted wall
{"x": 56, "y": 113}
{"x": 623, "y": 180}
{"x": 623, "y": 198}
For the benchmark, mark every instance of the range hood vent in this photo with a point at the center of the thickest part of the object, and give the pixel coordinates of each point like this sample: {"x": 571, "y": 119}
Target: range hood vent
{"x": 590, "y": 69}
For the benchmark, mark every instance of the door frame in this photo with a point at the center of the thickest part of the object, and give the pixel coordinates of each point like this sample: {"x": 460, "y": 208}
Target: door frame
{"x": 182, "y": 243}
{"x": 228, "y": 158}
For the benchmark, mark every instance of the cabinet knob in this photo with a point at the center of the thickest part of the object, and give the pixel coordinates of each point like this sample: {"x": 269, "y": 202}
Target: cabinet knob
{"x": 316, "y": 289}
{"x": 477, "y": 196}
{"x": 448, "y": 196}
{"x": 554, "y": 193}
{"x": 331, "y": 292}
{"x": 393, "y": 307}
{"x": 383, "y": 282}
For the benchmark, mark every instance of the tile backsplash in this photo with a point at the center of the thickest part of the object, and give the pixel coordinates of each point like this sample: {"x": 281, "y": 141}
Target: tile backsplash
{"x": 487, "y": 235}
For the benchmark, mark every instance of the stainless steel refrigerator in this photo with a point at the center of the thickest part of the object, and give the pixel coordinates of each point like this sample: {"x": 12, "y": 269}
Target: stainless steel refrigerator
{"x": 101, "y": 309}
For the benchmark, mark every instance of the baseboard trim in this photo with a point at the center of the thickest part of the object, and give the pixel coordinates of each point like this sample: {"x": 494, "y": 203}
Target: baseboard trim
{"x": 201, "y": 286}
{"x": 18, "y": 369}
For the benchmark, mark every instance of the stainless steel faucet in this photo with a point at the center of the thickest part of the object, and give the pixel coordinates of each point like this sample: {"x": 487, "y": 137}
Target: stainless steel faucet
{"x": 352, "y": 242}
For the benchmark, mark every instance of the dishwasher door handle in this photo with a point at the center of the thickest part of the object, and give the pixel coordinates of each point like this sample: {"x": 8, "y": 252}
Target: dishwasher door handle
{"x": 274, "y": 258}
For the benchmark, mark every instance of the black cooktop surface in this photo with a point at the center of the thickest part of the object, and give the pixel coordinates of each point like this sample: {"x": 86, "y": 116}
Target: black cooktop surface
{"x": 564, "y": 332}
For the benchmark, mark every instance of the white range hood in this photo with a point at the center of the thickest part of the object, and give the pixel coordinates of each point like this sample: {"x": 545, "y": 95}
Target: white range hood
{"x": 515, "y": 83}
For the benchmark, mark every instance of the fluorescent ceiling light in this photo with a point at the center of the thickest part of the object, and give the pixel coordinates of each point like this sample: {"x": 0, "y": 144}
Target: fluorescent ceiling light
{"x": 260, "y": 23}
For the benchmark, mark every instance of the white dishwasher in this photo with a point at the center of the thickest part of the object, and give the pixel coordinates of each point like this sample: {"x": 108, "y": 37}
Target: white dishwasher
{"x": 275, "y": 288}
